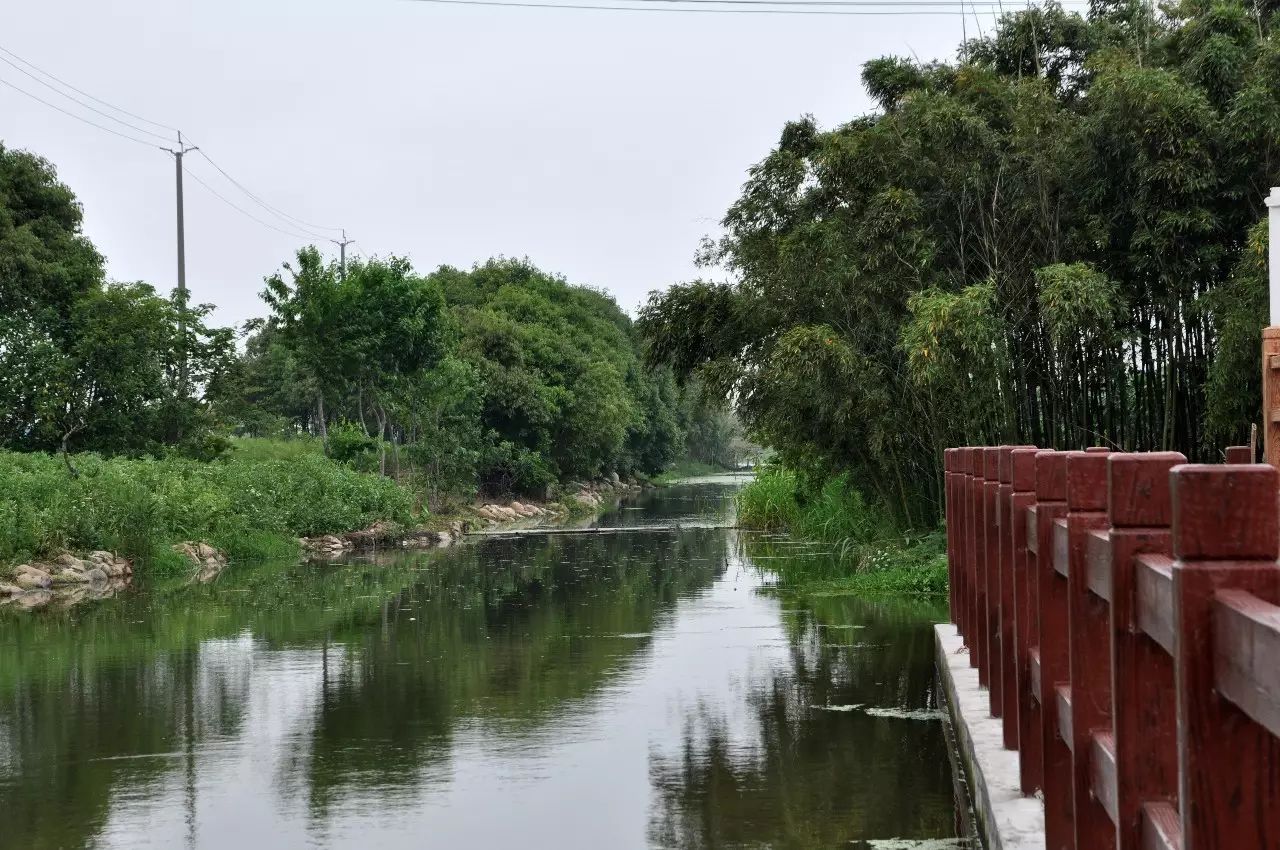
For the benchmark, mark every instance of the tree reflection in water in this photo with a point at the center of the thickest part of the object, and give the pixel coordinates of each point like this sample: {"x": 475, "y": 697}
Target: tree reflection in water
{"x": 811, "y": 768}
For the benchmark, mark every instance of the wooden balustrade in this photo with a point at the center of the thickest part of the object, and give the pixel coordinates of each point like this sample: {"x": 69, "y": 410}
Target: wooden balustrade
{"x": 1124, "y": 612}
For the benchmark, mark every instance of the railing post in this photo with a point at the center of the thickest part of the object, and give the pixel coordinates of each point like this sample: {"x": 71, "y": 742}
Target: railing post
{"x": 1090, "y": 662}
{"x": 1051, "y": 506}
{"x": 977, "y": 553}
{"x": 1026, "y": 620}
{"x": 1226, "y": 534}
{"x": 949, "y": 514}
{"x": 1142, "y": 688}
{"x": 991, "y": 580}
{"x": 1007, "y": 656}
{"x": 964, "y": 527}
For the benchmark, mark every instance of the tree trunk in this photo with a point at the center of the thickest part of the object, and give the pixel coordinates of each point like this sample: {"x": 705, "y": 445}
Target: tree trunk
{"x": 381, "y": 413}
{"x": 66, "y": 454}
{"x": 320, "y": 415}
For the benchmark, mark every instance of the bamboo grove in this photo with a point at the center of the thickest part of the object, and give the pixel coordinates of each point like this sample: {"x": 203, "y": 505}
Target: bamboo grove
{"x": 1054, "y": 240}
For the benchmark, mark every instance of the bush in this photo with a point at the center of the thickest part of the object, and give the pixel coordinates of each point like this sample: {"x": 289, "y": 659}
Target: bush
{"x": 250, "y": 508}
{"x": 349, "y": 444}
{"x": 509, "y": 468}
{"x": 770, "y": 503}
{"x": 870, "y": 554}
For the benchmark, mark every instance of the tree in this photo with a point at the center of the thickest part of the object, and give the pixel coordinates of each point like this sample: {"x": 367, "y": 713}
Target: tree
{"x": 85, "y": 364}
{"x": 441, "y": 407}
{"x": 46, "y": 262}
{"x": 1042, "y": 243}
{"x": 307, "y": 314}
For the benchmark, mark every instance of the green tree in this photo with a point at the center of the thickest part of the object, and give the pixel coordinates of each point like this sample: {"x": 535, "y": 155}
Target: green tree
{"x": 1044, "y": 242}
{"x": 306, "y": 310}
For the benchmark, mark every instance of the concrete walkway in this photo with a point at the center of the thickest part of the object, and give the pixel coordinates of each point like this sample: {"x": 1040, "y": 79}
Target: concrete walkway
{"x": 1006, "y": 819}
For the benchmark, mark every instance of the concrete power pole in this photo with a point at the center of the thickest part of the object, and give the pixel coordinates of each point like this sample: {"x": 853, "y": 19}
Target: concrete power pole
{"x": 342, "y": 254}
{"x": 1271, "y": 339}
{"x": 182, "y": 150}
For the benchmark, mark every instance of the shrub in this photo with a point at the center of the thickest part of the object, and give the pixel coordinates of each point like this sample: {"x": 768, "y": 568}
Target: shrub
{"x": 869, "y": 553}
{"x": 249, "y": 508}
{"x": 770, "y": 502}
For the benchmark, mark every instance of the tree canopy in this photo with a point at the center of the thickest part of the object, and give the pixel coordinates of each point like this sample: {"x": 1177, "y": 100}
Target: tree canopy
{"x": 503, "y": 378}
{"x": 1047, "y": 241}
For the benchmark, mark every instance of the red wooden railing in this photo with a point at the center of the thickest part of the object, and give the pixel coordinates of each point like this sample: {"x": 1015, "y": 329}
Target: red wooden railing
{"x": 1122, "y": 609}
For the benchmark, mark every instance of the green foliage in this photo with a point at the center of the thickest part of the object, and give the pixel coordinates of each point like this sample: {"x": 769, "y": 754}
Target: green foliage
{"x": 262, "y": 449}
{"x": 249, "y": 507}
{"x": 686, "y": 469}
{"x": 442, "y": 408}
{"x": 83, "y": 364}
{"x": 770, "y": 502}
{"x": 348, "y": 443}
{"x": 1042, "y": 243}
{"x": 554, "y": 361}
{"x": 503, "y": 378}
{"x": 1238, "y": 308}
{"x": 46, "y": 263}
{"x": 1078, "y": 304}
{"x": 868, "y": 554}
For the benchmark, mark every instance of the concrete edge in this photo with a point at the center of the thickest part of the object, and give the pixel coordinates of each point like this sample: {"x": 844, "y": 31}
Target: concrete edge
{"x": 1006, "y": 819}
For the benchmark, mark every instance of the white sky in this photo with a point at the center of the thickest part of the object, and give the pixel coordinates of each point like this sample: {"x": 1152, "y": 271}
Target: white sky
{"x": 602, "y": 145}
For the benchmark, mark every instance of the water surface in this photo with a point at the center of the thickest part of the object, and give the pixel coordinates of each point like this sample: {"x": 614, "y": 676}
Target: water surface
{"x": 638, "y": 689}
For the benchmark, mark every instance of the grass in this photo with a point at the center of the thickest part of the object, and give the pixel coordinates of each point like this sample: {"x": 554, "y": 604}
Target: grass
{"x": 869, "y": 555}
{"x": 263, "y": 448}
{"x": 253, "y": 505}
{"x": 686, "y": 469}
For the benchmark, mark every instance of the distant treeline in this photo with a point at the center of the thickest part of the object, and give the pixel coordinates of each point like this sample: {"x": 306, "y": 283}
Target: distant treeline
{"x": 1053, "y": 241}
{"x": 503, "y": 378}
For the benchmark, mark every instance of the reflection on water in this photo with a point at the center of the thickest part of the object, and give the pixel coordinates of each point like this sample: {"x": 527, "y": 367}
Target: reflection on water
{"x": 627, "y": 690}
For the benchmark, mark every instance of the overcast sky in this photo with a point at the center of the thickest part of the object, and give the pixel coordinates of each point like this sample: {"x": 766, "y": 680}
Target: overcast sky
{"x": 602, "y": 145}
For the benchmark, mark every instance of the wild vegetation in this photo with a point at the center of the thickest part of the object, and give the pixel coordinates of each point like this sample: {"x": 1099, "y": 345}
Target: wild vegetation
{"x": 1053, "y": 240}
{"x": 371, "y": 393}
{"x": 868, "y": 554}
{"x": 247, "y": 508}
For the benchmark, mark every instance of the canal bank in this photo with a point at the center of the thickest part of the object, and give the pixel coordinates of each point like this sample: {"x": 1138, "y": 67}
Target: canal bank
{"x": 1005, "y": 818}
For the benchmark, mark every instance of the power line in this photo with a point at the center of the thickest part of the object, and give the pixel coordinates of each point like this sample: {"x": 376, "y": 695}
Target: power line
{"x": 40, "y": 70}
{"x": 78, "y": 117}
{"x": 243, "y": 211}
{"x": 278, "y": 213}
{"x": 714, "y": 11}
{"x": 289, "y": 220}
{"x": 838, "y": 3}
{"x": 87, "y": 106}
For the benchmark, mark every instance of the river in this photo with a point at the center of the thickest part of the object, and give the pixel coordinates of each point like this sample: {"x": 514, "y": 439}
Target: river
{"x": 642, "y": 688}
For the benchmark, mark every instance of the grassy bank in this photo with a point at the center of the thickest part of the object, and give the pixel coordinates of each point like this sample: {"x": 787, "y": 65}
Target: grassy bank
{"x": 253, "y": 505}
{"x": 687, "y": 469}
{"x": 869, "y": 555}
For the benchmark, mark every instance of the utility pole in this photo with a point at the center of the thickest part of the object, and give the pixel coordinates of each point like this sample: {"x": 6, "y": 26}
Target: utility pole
{"x": 342, "y": 253}
{"x": 182, "y": 150}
